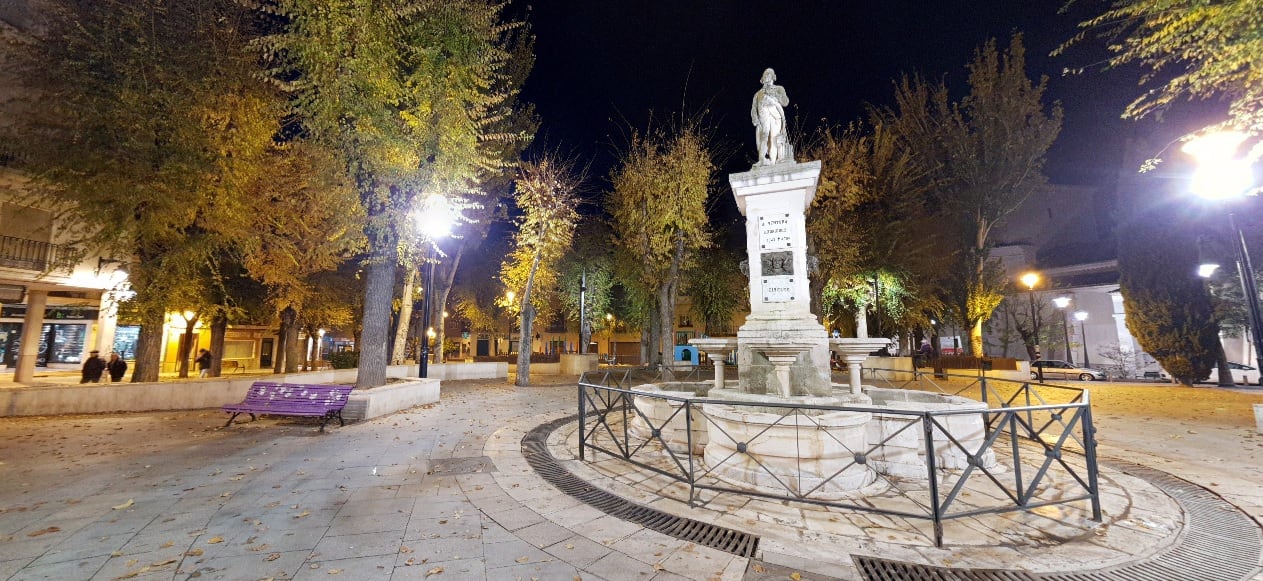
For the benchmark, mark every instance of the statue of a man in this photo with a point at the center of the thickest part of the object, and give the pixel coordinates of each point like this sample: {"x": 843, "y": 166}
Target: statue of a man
{"x": 768, "y": 115}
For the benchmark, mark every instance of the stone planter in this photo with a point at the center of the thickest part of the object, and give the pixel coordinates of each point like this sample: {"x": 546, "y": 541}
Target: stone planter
{"x": 388, "y": 399}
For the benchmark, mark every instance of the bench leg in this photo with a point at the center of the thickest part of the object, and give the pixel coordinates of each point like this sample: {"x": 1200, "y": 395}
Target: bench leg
{"x": 234, "y": 416}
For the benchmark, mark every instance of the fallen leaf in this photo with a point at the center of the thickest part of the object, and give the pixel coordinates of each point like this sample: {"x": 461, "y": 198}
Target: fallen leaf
{"x": 132, "y": 562}
{"x": 569, "y": 546}
{"x": 795, "y": 576}
{"x": 194, "y": 553}
{"x": 334, "y": 571}
{"x": 259, "y": 548}
{"x": 42, "y": 532}
{"x": 272, "y": 557}
{"x": 127, "y": 504}
{"x": 167, "y": 544}
{"x": 214, "y": 540}
{"x": 404, "y": 549}
{"x": 523, "y": 559}
{"x": 434, "y": 571}
{"x": 410, "y": 562}
{"x": 163, "y": 563}
{"x": 659, "y": 567}
{"x": 302, "y": 514}
{"x": 758, "y": 568}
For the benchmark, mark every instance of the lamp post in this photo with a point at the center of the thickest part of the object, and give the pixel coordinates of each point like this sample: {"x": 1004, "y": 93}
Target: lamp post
{"x": 434, "y": 220}
{"x": 1082, "y": 317}
{"x": 609, "y": 330}
{"x": 1062, "y": 303}
{"x": 1031, "y": 279}
{"x": 1221, "y": 175}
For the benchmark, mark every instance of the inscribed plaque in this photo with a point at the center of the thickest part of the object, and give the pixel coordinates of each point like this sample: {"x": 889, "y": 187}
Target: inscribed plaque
{"x": 774, "y": 232}
{"x": 778, "y": 289}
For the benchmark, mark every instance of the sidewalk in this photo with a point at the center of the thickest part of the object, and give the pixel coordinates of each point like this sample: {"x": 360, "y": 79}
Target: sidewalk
{"x": 435, "y": 493}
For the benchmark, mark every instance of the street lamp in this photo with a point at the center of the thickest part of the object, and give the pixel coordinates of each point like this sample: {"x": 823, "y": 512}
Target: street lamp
{"x": 1221, "y": 175}
{"x": 1062, "y": 303}
{"x": 434, "y": 220}
{"x": 609, "y": 324}
{"x": 1031, "y": 279}
{"x": 1082, "y": 317}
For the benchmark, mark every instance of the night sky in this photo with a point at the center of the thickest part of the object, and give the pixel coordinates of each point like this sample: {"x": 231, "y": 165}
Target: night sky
{"x": 602, "y": 66}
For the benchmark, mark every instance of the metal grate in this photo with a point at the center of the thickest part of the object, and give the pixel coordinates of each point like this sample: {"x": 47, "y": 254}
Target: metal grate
{"x": 1219, "y": 543}
{"x": 535, "y": 449}
{"x": 874, "y": 569}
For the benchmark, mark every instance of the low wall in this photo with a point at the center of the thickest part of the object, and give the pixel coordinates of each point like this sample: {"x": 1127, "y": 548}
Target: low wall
{"x": 578, "y": 364}
{"x": 454, "y": 371}
{"x": 184, "y": 394}
{"x": 888, "y": 368}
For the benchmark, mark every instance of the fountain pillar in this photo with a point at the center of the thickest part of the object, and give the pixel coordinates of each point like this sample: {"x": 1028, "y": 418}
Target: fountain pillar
{"x": 717, "y": 349}
{"x": 774, "y": 199}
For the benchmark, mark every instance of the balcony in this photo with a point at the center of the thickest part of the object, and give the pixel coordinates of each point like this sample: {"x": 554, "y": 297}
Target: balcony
{"x": 34, "y": 255}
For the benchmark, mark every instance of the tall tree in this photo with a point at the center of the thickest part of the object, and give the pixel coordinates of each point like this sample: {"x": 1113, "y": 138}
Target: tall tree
{"x": 658, "y": 209}
{"x": 871, "y": 218}
{"x": 986, "y": 156}
{"x": 410, "y": 94}
{"x": 1171, "y": 316}
{"x": 717, "y": 290}
{"x": 1193, "y": 49}
{"x": 149, "y": 119}
{"x": 547, "y": 195}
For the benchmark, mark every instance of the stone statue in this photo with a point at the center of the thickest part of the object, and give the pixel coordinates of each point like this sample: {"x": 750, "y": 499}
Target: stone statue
{"x": 767, "y": 112}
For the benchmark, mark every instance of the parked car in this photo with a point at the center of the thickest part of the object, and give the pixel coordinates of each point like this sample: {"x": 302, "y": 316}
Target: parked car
{"x": 1241, "y": 374}
{"x": 1055, "y": 369}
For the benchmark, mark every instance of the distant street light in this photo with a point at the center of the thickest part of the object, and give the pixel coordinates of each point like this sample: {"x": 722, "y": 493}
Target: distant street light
{"x": 434, "y": 221}
{"x": 1222, "y": 175}
{"x": 1031, "y": 279}
{"x": 1082, "y": 317}
{"x": 1062, "y": 303}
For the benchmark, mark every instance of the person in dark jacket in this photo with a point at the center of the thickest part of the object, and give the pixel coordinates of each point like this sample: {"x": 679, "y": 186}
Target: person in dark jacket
{"x": 116, "y": 366}
{"x": 203, "y": 362}
{"x": 92, "y": 368}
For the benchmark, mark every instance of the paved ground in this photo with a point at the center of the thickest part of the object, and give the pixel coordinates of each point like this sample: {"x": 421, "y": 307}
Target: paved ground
{"x": 430, "y": 493}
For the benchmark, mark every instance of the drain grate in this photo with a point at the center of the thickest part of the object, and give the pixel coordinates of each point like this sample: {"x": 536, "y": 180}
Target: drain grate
{"x": 1220, "y": 542}
{"x": 535, "y": 449}
{"x": 874, "y": 569}
{"x": 467, "y": 465}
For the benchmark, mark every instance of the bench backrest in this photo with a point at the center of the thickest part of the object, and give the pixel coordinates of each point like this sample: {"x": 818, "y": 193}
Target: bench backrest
{"x": 295, "y": 394}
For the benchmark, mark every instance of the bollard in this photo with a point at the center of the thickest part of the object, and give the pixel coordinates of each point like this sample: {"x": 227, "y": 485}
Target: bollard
{"x": 1258, "y": 417}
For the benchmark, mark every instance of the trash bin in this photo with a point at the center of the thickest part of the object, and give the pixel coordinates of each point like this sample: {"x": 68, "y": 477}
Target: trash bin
{"x": 987, "y": 364}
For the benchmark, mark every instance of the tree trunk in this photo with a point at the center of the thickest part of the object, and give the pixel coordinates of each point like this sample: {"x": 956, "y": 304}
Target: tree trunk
{"x": 442, "y": 289}
{"x": 975, "y": 340}
{"x": 287, "y": 316}
{"x": 378, "y": 292}
{"x": 218, "y": 329}
{"x": 861, "y": 321}
{"x": 405, "y": 316}
{"x": 186, "y": 345}
{"x": 528, "y": 321}
{"x": 1225, "y": 372}
{"x": 148, "y": 347}
{"x": 293, "y": 348}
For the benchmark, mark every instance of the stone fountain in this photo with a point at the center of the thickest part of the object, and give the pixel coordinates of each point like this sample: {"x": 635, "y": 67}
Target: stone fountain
{"x": 783, "y": 353}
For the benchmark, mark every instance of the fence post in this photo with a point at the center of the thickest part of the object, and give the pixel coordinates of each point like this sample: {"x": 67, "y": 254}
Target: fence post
{"x": 688, "y": 429}
{"x": 1089, "y": 455}
{"x": 931, "y": 466}
{"x": 583, "y": 424}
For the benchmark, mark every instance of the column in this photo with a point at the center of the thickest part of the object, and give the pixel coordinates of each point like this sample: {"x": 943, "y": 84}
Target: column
{"x": 32, "y": 325}
{"x": 106, "y": 324}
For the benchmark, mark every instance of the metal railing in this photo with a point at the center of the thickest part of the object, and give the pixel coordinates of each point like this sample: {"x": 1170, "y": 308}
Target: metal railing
{"x": 1031, "y": 446}
{"x": 34, "y": 255}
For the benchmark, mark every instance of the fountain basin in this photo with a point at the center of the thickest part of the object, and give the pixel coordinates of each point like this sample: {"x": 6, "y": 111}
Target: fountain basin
{"x": 669, "y": 417}
{"x": 904, "y": 454}
{"x": 775, "y": 453}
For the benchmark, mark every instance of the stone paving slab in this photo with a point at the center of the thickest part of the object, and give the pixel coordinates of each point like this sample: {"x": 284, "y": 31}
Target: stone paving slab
{"x": 173, "y": 495}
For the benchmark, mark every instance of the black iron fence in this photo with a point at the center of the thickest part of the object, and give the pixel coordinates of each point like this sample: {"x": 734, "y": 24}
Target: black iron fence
{"x": 922, "y": 452}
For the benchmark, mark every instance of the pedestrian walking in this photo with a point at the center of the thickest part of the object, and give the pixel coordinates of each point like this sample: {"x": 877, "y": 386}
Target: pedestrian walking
{"x": 92, "y": 368}
{"x": 203, "y": 362}
{"x": 116, "y": 366}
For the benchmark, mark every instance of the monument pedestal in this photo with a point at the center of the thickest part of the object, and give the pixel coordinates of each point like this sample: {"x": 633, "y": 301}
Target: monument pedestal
{"x": 774, "y": 199}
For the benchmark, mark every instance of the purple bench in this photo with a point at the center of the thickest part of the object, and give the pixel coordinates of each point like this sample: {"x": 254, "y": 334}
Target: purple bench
{"x": 291, "y": 399}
